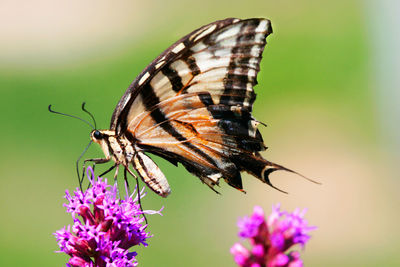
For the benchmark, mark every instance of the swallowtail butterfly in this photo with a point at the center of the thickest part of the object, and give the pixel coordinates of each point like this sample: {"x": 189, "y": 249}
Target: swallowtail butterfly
{"x": 192, "y": 105}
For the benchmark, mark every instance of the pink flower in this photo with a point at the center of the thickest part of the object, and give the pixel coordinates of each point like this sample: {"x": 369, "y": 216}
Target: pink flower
{"x": 272, "y": 238}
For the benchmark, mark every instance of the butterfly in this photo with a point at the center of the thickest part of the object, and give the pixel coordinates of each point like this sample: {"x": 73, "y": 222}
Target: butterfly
{"x": 192, "y": 105}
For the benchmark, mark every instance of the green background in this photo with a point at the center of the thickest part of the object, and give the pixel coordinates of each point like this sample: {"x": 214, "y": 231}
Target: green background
{"x": 317, "y": 93}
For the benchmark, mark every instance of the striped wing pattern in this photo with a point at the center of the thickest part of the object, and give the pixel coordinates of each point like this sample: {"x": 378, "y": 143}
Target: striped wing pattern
{"x": 193, "y": 103}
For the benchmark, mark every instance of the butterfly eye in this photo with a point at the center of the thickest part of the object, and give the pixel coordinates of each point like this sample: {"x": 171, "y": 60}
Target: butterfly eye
{"x": 97, "y": 135}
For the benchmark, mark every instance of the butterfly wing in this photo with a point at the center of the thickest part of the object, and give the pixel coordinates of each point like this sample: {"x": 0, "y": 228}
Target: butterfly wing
{"x": 193, "y": 103}
{"x": 119, "y": 117}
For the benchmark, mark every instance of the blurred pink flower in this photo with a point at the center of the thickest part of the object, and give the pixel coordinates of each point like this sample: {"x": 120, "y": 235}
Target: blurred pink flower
{"x": 272, "y": 238}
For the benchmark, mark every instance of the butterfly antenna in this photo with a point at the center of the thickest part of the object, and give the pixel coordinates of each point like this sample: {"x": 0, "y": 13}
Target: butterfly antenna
{"x": 72, "y": 116}
{"x": 90, "y": 114}
{"x": 80, "y": 180}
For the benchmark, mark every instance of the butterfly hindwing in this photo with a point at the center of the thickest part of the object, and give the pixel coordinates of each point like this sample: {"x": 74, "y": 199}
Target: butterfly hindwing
{"x": 193, "y": 103}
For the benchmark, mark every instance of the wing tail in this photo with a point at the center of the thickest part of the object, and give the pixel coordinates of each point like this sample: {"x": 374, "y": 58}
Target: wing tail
{"x": 262, "y": 168}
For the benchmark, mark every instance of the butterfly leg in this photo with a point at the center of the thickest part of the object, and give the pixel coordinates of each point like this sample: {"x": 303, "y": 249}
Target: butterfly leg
{"x": 210, "y": 184}
{"x": 116, "y": 172}
{"x": 136, "y": 178}
{"x": 110, "y": 169}
{"x": 130, "y": 172}
{"x": 127, "y": 183}
{"x": 95, "y": 161}
{"x": 137, "y": 185}
{"x": 137, "y": 188}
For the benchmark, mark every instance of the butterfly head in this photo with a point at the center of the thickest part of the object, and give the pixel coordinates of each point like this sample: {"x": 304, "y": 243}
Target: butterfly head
{"x": 109, "y": 143}
{"x": 102, "y": 137}
{"x": 96, "y": 136}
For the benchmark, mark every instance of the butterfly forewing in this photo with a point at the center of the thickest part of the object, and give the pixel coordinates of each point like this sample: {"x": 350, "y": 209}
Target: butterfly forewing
{"x": 119, "y": 117}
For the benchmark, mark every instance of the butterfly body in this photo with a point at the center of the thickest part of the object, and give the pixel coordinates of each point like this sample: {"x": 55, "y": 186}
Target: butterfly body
{"x": 192, "y": 105}
{"x": 125, "y": 152}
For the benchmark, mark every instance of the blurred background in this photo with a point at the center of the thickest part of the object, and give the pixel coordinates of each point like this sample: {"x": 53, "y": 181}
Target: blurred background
{"x": 328, "y": 91}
